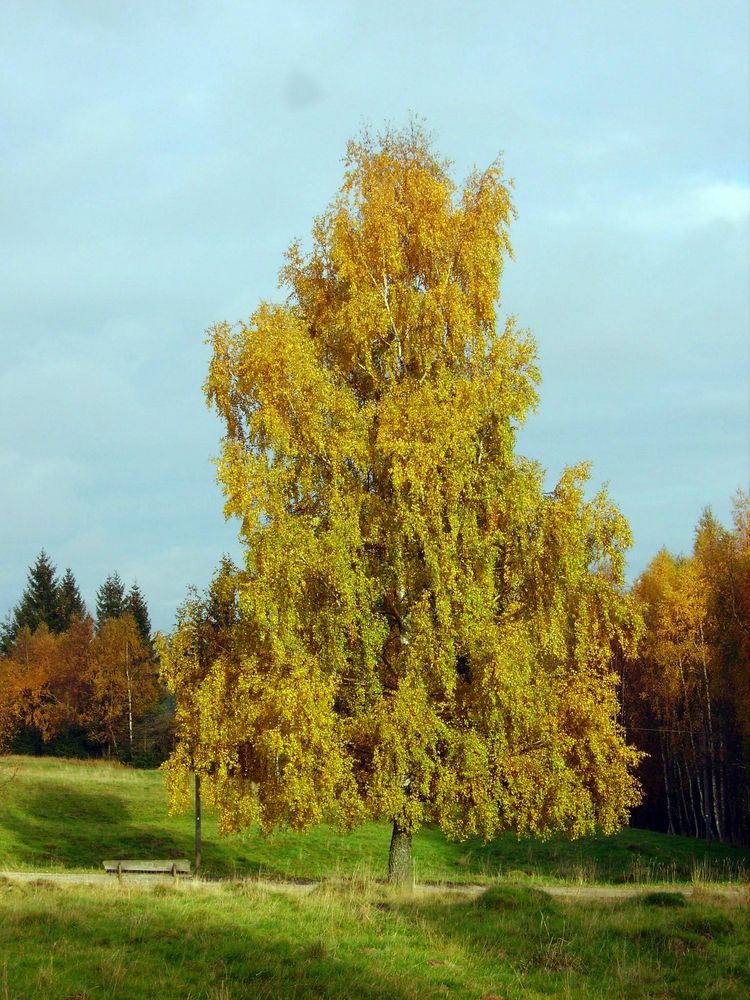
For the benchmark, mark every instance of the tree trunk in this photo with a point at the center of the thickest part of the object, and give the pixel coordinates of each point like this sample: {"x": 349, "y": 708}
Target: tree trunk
{"x": 706, "y": 800}
{"x": 198, "y": 837}
{"x": 696, "y": 767}
{"x": 670, "y": 823}
{"x": 399, "y": 859}
{"x": 710, "y": 740}
{"x": 130, "y": 697}
{"x": 689, "y": 781}
{"x": 722, "y": 787}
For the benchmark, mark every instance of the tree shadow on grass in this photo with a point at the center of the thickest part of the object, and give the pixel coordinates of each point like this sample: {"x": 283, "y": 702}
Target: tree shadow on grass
{"x": 60, "y": 826}
{"x": 64, "y": 827}
{"x": 215, "y": 949}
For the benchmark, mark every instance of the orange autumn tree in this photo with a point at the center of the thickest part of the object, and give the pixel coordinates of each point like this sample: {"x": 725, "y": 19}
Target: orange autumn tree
{"x": 123, "y": 680}
{"x": 423, "y": 634}
{"x": 9, "y": 720}
{"x": 43, "y": 677}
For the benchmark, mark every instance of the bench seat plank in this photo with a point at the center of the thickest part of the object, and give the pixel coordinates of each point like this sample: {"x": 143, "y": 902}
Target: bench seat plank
{"x": 178, "y": 866}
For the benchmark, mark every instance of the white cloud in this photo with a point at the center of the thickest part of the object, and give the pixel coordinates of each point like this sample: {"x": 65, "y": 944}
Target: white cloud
{"x": 688, "y": 205}
{"x": 694, "y": 204}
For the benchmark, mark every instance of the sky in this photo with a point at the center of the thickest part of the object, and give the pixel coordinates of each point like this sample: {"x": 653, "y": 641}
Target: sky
{"x": 156, "y": 159}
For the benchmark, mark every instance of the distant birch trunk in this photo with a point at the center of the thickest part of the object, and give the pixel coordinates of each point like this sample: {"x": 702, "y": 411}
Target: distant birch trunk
{"x": 130, "y": 696}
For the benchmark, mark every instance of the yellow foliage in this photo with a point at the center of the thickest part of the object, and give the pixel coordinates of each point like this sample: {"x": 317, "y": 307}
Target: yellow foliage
{"x": 419, "y": 631}
{"x": 122, "y": 679}
{"x": 689, "y": 686}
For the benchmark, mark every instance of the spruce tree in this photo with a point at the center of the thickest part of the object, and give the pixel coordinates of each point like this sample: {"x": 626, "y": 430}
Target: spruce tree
{"x": 135, "y": 604}
{"x": 222, "y": 612}
{"x": 110, "y": 600}
{"x": 39, "y": 602}
{"x": 69, "y": 601}
{"x": 7, "y": 634}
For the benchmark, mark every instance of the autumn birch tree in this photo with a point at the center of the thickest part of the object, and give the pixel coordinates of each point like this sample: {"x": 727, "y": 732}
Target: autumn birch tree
{"x": 424, "y": 633}
{"x": 122, "y": 676}
{"x": 690, "y": 683}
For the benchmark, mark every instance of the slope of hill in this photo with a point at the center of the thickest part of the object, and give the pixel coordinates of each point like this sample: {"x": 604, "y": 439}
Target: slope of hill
{"x": 70, "y": 815}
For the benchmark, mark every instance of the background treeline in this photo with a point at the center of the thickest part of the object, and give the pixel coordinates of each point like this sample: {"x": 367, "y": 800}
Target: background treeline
{"x": 686, "y": 698}
{"x": 75, "y": 686}
{"x": 71, "y": 685}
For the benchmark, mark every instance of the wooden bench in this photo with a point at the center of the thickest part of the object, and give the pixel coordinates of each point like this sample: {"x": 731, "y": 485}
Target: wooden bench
{"x": 177, "y": 867}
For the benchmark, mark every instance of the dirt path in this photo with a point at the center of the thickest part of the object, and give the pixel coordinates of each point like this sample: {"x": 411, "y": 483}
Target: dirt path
{"x": 301, "y": 888}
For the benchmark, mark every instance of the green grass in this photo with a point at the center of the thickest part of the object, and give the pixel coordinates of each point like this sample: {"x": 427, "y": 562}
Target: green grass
{"x": 70, "y": 815}
{"x": 513, "y": 942}
{"x": 352, "y": 938}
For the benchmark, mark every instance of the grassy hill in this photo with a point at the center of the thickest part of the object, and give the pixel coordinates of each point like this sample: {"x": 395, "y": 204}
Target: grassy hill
{"x": 64, "y": 814}
{"x": 237, "y": 939}
{"x": 512, "y": 943}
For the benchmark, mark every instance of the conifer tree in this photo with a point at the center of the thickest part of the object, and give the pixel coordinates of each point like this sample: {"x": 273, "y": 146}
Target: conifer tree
{"x": 423, "y": 633}
{"x": 7, "y": 634}
{"x": 39, "y": 602}
{"x": 70, "y": 604}
{"x": 135, "y": 604}
{"x": 207, "y": 625}
{"x": 110, "y": 600}
{"x": 222, "y": 612}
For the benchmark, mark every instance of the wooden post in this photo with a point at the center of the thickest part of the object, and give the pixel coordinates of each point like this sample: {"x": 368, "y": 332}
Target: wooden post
{"x": 197, "y": 823}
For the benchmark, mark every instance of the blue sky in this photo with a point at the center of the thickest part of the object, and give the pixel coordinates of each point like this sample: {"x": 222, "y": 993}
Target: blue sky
{"x": 157, "y": 158}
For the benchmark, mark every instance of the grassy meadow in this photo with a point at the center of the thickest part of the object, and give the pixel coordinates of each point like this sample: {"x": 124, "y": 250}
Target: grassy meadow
{"x": 69, "y": 815}
{"x": 512, "y": 942}
{"x": 351, "y": 936}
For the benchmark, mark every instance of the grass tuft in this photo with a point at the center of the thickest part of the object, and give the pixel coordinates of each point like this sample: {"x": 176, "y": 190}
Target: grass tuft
{"x": 673, "y": 900}
{"x": 515, "y": 897}
{"x": 709, "y": 925}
